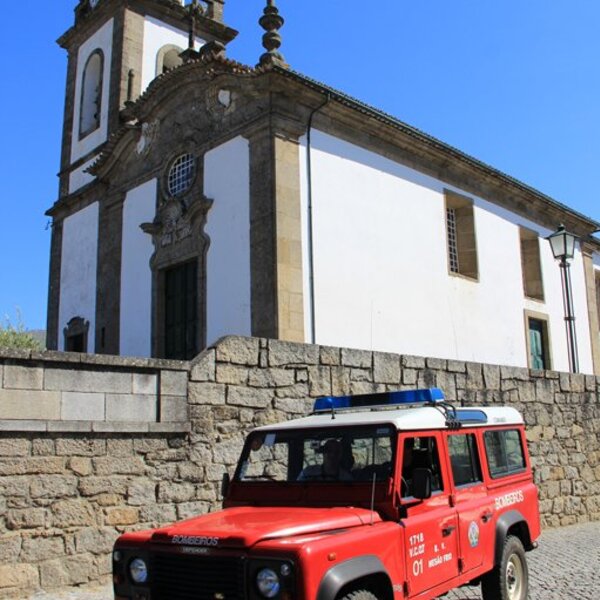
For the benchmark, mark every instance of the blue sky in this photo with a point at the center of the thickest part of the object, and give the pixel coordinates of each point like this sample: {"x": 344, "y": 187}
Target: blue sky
{"x": 514, "y": 83}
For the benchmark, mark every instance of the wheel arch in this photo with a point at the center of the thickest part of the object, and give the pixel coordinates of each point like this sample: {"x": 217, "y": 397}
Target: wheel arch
{"x": 356, "y": 573}
{"x": 511, "y": 523}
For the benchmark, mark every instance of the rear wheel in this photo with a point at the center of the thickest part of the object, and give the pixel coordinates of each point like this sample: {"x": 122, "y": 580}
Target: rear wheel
{"x": 510, "y": 579}
{"x": 359, "y": 595}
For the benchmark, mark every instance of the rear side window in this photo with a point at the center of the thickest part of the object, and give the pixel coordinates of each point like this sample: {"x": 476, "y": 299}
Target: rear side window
{"x": 504, "y": 452}
{"x": 464, "y": 459}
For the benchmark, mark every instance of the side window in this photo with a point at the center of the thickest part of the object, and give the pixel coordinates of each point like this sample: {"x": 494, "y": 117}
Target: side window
{"x": 91, "y": 94}
{"x": 464, "y": 458}
{"x": 533, "y": 285}
{"x": 460, "y": 236}
{"x": 504, "y": 452}
{"x": 420, "y": 453}
{"x": 76, "y": 335}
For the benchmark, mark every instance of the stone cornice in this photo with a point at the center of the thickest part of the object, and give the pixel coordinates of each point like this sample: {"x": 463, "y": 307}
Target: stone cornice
{"x": 445, "y": 154}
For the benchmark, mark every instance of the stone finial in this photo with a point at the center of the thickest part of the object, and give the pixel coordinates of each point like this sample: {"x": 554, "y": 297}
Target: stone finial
{"x": 272, "y": 22}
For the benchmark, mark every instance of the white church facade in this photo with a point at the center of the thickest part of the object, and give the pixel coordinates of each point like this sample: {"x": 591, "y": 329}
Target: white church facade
{"x": 200, "y": 197}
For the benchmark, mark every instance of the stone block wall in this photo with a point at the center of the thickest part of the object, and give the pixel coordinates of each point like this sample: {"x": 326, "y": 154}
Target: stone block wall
{"x": 70, "y": 484}
{"x": 51, "y": 391}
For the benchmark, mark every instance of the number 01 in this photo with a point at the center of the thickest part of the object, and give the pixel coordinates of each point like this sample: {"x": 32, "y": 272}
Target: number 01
{"x": 417, "y": 567}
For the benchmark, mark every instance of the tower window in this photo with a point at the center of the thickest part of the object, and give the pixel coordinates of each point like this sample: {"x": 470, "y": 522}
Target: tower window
{"x": 181, "y": 174}
{"x": 531, "y": 265}
{"x": 460, "y": 236}
{"x": 91, "y": 94}
{"x": 168, "y": 58}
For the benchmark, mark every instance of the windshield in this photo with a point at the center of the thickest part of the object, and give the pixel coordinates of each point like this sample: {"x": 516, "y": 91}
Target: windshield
{"x": 348, "y": 454}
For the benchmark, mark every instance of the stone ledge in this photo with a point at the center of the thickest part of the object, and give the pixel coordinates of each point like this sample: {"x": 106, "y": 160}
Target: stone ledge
{"x": 93, "y": 426}
{"x": 105, "y": 360}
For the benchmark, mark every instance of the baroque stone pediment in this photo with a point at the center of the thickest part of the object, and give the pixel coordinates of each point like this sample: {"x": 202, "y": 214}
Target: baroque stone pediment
{"x": 186, "y": 106}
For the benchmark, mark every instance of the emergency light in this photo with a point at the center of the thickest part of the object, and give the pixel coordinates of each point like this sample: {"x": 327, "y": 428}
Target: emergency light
{"x": 404, "y": 397}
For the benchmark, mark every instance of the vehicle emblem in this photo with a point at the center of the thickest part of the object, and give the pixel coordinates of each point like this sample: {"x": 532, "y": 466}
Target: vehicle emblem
{"x": 195, "y": 540}
{"x": 473, "y": 534}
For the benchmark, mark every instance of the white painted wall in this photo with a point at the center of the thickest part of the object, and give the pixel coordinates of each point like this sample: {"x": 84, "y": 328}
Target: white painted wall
{"x": 78, "y": 178}
{"x": 102, "y": 40}
{"x": 136, "y": 275}
{"x": 156, "y": 35}
{"x": 78, "y": 272}
{"x": 227, "y": 182}
{"x": 381, "y": 275}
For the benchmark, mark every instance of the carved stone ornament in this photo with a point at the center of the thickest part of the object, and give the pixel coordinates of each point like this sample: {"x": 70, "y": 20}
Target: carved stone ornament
{"x": 178, "y": 231}
{"x": 220, "y": 100}
{"x": 147, "y": 137}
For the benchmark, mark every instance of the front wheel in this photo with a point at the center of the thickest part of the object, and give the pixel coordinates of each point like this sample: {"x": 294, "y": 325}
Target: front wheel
{"x": 510, "y": 579}
{"x": 359, "y": 595}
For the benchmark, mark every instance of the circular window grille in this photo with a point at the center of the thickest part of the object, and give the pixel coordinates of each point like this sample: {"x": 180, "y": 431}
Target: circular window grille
{"x": 181, "y": 174}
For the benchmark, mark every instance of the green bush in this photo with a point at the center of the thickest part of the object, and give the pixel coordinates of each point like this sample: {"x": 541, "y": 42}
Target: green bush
{"x": 16, "y": 336}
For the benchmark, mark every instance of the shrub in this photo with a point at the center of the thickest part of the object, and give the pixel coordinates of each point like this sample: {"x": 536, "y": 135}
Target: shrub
{"x": 16, "y": 336}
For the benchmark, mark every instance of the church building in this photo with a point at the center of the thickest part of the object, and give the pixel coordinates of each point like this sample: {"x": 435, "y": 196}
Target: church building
{"x": 200, "y": 197}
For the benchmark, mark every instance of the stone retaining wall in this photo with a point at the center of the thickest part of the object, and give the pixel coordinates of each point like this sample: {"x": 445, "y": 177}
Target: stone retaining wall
{"x": 70, "y": 482}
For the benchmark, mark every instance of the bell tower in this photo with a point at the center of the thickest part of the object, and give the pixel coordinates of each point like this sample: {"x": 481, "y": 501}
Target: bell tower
{"x": 115, "y": 49}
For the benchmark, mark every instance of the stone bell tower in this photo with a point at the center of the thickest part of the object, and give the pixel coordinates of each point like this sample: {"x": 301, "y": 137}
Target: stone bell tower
{"x": 116, "y": 48}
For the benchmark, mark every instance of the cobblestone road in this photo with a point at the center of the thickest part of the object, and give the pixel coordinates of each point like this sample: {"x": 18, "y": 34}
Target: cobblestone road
{"x": 566, "y": 566}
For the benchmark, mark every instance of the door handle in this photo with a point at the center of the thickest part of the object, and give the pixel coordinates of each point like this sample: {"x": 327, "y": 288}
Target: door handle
{"x": 485, "y": 517}
{"x": 446, "y": 531}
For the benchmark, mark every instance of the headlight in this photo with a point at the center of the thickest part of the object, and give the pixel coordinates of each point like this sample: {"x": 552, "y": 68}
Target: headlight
{"x": 268, "y": 583}
{"x": 138, "y": 570}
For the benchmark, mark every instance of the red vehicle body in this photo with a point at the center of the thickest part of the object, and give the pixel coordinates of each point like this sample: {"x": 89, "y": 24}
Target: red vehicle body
{"x": 466, "y": 514}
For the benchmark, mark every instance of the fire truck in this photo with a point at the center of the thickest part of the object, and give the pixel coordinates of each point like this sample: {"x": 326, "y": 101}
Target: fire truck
{"x": 390, "y": 496}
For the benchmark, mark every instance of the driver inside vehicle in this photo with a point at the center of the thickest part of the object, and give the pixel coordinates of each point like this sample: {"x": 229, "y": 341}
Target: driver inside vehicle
{"x": 331, "y": 467}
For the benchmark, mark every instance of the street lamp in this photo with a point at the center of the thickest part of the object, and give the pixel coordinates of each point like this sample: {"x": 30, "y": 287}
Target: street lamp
{"x": 563, "y": 248}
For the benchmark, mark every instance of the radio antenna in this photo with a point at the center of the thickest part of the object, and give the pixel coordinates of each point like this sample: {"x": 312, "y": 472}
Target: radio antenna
{"x": 373, "y": 496}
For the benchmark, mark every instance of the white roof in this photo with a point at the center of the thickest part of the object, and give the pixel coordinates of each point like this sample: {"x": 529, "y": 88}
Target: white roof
{"x": 407, "y": 419}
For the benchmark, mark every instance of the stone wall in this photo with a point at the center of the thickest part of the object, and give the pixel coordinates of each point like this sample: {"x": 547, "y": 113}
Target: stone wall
{"x": 70, "y": 482}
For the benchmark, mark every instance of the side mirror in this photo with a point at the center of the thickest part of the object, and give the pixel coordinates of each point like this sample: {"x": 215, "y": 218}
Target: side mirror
{"x": 225, "y": 484}
{"x": 421, "y": 484}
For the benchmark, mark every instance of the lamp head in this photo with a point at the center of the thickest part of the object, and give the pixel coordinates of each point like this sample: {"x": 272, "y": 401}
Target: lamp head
{"x": 562, "y": 243}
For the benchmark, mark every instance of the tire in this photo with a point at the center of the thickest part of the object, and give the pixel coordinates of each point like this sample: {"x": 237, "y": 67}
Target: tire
{"x": 510, "y": 579}
{"x": 359, "y": 595}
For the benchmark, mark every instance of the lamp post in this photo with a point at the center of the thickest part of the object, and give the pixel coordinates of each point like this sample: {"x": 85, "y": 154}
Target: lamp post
{"x": 563, "y": 248}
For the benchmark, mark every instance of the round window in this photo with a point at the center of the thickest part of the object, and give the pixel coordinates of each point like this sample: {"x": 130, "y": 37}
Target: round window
{"x": 181, "y": 174}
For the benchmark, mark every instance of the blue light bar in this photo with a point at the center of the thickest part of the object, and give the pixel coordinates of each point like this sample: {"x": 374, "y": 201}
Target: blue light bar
{"x": 405, "y": 397}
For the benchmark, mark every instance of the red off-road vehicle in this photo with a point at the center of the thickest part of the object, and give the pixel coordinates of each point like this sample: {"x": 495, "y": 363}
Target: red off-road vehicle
{"x": 380, "y": 497}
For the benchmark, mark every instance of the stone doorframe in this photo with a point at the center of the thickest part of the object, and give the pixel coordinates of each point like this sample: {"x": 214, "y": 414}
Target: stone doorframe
{"x": 178, "y": 236}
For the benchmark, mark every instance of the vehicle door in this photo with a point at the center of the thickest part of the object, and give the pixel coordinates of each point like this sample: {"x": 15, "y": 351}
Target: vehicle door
{"x": 474, "y": 506}
{"x": 430, "y": 525}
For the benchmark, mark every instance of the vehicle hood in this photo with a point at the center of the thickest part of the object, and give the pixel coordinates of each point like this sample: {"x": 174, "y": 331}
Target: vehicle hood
{"x": 245, "y": 526}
